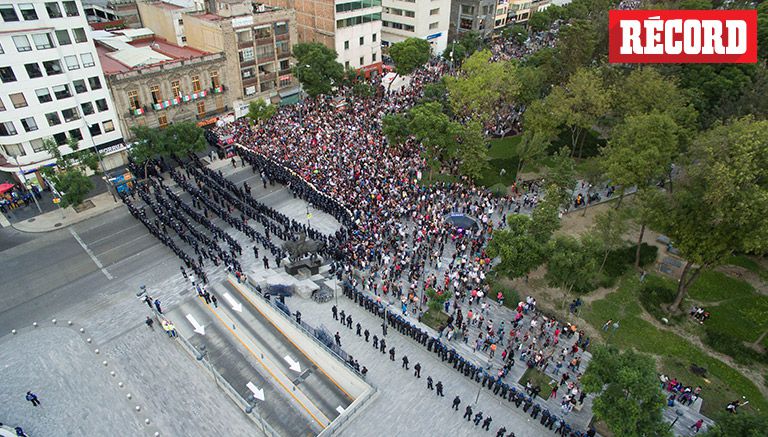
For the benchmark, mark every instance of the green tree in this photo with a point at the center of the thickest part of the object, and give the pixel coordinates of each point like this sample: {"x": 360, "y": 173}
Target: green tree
{"x": 742, "y": 425}
{"x": 644, "y": 211}
{"x": 316, "y": 68}
{"x": 178, "y": 139}
{"x": 396, "y": 128}
{"x": 436, "y": 299}
{"x": 721, "y": 201}
{"x": 436, "y": 92}
{"x": 629, "y": 399}
{"x": 762, "y": 30}
{"x": 409, "y": 54}
{"x": 531, "y": 146}
{"x": 610, "y": 227}
{"x": 457, "y": 50}
{"x": 592, "y": 173}
{"x": 259, "y": 111}
{"x": 572, "y": 265}
{"x": 641, "y": 150}
{"x": 519, "y": 251}
{"x": 481, "y": 86}
{"x": 472, "y": 150}
{"x": 69, "y": 178}
{"x": 545, "y": 219}
{"x": 580, "y": 104}
{"x": 363, "y": 90}
{"x": 561, "y": 178}
{"x": 576, "y": 46}
{"x": 433, "y": 129}
{"x": 516, "y": 32}
{"x": 470, "y": 42}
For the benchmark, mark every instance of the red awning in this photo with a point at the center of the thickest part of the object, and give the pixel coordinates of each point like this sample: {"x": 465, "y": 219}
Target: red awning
{"x": 5, "y": 187}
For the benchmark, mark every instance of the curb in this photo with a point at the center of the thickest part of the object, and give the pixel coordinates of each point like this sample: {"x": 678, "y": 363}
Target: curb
{"x": 31, "y": 229}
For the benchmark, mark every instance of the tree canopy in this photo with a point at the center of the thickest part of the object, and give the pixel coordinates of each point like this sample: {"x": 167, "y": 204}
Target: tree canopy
{"x": 519, "y": 250}
{"x": 69, "y": 177}
{"x": 316, "y": 68}
{"x": 259, "y": 110}
{"x": 409, "y": 54}
{"x": 177, "y": 139}
{"x": 629, "y": 398}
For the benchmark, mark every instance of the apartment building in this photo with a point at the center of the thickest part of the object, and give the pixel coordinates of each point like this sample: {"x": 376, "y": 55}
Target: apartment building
{"x": 256, "y": 42}
{"x": 156, "y": 83}
{"x": 52, "y": 85}
{"x": 426, "y": 19}
{"x": 351, "y": 27}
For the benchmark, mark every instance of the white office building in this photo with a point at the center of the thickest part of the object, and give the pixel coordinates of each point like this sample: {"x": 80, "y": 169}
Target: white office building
{"x": 52, "y": 85}
{"x": 426, "y": 19}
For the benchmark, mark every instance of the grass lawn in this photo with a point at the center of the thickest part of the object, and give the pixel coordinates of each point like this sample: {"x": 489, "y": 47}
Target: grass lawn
{"x": 511, "y": 296}
{"x": 434, "y": 319}
{"x": 501, "y": 155}
{"x": 714, "y": 286}
{"x": 746, "y": 262}
{"x": 723, "y": 385}
{"x": 437, "y": 177}
{"x": 539, "y": 378}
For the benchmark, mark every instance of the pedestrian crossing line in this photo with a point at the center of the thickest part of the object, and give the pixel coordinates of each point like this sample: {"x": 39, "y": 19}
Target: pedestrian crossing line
{"x": 229, "y": 279}
{"x": 319, "y": 422}
{"x": 90, "y": 254}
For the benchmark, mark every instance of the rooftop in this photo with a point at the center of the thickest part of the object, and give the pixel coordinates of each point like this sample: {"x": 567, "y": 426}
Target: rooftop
{"x": 121, "y": 51}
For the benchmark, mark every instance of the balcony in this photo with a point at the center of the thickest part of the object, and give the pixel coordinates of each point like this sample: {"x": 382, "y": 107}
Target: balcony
{"x": 283, "y": 37}
{"x": 218, "y": 90}
{"x": 282, "y": 54}
{"x": 267, "y": 40}
{"x": 245, "y": 44}
{"x": 250, "y": 81}
{"x": 267, "y": 76}
{"x": 269, "y": 57}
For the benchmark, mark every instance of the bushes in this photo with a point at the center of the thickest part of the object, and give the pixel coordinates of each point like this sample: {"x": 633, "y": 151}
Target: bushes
{"x": 728, "y": 345}
{"x": 621, "y": 261}
{"x": 656, "y": 292}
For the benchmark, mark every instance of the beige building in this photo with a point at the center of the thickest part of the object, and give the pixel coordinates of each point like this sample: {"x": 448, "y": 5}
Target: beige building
{"x": 255, "y": 39}
{"x": 155, "y": 83}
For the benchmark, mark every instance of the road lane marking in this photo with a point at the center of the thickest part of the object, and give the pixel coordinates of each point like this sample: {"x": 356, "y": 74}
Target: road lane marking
{"x": 200, "y": 329}
{"x": 90, "y": 253}
{"x": 289, "y": 339}
{"x": 290, "y": 392}
{"x": 258, "y": 393}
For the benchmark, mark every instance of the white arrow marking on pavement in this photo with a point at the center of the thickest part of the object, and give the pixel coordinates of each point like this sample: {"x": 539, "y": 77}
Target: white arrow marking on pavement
{"x": 200, "y": 329}
{"x": 258, "y": 393}
{"x": 237, "y": 306}
{"x": 293, "y": 365}
{"x": 340, "y": 410}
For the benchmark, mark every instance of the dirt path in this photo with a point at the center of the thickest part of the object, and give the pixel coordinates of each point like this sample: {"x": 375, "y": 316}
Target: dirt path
{"x": 750, "y": 277}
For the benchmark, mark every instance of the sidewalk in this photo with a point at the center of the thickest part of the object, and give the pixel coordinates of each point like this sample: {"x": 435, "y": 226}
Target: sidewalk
{"x": 61, "y": 218}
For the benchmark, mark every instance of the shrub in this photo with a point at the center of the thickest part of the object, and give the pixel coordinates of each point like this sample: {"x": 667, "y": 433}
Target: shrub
{"x": 621, "y": 260}
{"x": 728, "y": 345}
{"x": 656, "y": 292}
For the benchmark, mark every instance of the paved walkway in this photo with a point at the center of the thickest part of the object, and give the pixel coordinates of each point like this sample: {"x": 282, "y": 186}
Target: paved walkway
{"x": 60, "y": 218}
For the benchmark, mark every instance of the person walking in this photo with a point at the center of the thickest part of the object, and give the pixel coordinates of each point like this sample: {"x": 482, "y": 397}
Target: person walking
{"x": 405, "y": 362}
{"x": 358, "y": 330}
{"x": 150, "y": 323}
{"x": 366, "y": 333}
{"x": 429, "y": 383}
{"x": 439, "y": 388}
{"x": 214, "y": 300}
{"x": 349, "y": 322}
{"x": 383, "y": 346}
{"x": 31, "y": 397}
{"x": 478, "y": 418}
{"x": 335, "y": 312}
{"x": 392, "y": 353}
{"x": 266, "y": 262}
{"x": 375, "y": 342}
{"x": 157, "y": 306}
{"x": 456, "y": 402}
{"x": 697, "y": 426}
{"x": 338, "y": 339}
{"x": 501, "y": 432}
{"x": 467, "y": 413}
{"x": 487, "y": 423}
{"x": 417, "y": 370}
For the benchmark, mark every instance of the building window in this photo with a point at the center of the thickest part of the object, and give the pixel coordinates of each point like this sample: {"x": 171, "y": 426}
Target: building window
{"x": 22, "y": 43}
{"x": 42, "y": 40}
{"x": 79, "y": 35}
{"x": 80, "y": 86}
{"x": 373, "y": 57}
{"x": 18, "y": 100}
{"x": 262, "y": 32}
{"x": 43, "y": 95}
{"x": 94, "y": 129}
{"x": 467, "y": 10}
{"x": 76, "y": 134}
{"x": 285, "y": 81}
{"x": 2, "y": 52}
{"x": 346, "y": 45}
{"x": 285, "y": 65}
{"x": 181, "y": 21}
{"x": 101, "y": 105}
{"x": 29, "y": 124}
{"x": 2, "y": 106}
{"x": 60, "y": 138}
{"x": 183, "y": 39}
{"x": 33, "y": 70}
{"x": 61, "y": 92}
{"x": 7, "y": 129}
{"x": 6, "y": 75}
{"x": 156, "y": 96}
{"x": 245, "y": 73}
{"x": 14, "y": 150}
{"x": 87, "y": 108}
{"x": 37, "y": 145}
{"x": 162, "y": 120}
{"x": 70, "y": 114}
{"x": 28, "y": 11}
{"x": 362, "y": 61}
{"x": 465, "y": 23}
{"x": 72, "y": 63}
{"x": 52, "y": 67}
{"x": 246, "y": 55}
{"x": 8, "y": 13}
{"x": 94, "y": 82}
{"x": 201, "y": 109}
{"x": 354, "y": 21}
{"x": 362, "y": 40}
{"x": 175, "y": 89}
{"x": 434, "y": 25}
{"x": 63, "y": 37}
{"x": 244, "y": 36}
{"x": 133, "y": 99}
{"x": 215, "y": 83}
{"x": 434, "y": 11}
{"x": 249, "y": 91}
{"x": 70, "y": 8}
{"x": 410, "y": 14}
{"x": 195, "y": 84}
{"x": 346, "y": 65}
{"x": 281, "y": 28}
{"x": 87, "y": 59}
{"x": 108, "y": 126}
{"x": 373, "y": 37}
{"x": 53, "y": 9}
